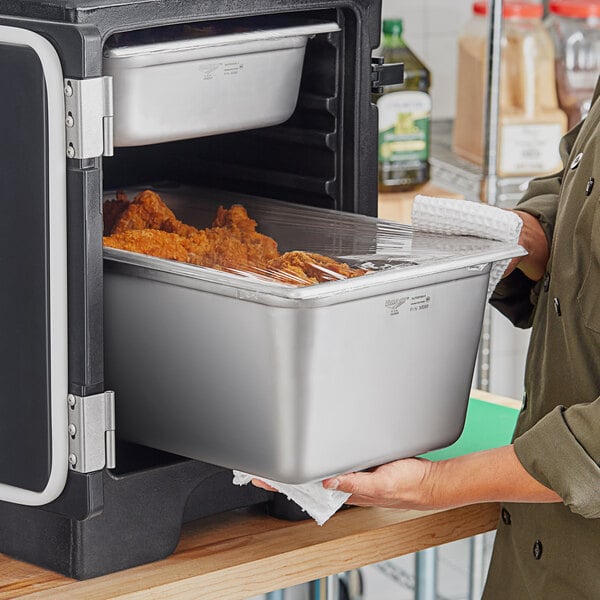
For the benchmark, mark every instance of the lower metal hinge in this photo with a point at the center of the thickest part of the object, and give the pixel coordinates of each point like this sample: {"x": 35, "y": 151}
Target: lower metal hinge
{"x": 91, "y": 432}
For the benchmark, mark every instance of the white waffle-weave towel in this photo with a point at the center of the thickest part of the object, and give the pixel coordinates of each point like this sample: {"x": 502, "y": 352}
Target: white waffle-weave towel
{"x": 319, "y": 502}
{"x": 464, "y": 217}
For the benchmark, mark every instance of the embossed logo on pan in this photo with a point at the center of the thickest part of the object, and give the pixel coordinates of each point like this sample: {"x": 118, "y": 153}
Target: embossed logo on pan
{"x": 394, "y": 304}
{"x": 210, "y": 71}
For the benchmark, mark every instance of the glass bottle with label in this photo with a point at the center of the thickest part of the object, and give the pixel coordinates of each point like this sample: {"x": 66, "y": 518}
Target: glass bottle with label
{"x": 404, "y": 117}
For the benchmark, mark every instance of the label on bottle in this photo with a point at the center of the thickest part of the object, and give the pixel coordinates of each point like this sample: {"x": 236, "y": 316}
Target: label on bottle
{"x": 529, "y": 149}
{"x": 404, "y": 126}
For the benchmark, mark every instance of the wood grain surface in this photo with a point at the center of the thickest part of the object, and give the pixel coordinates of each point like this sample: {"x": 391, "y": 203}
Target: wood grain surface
{"x": 242, "y": 553}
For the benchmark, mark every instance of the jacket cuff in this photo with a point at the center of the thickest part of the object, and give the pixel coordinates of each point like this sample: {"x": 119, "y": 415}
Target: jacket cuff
{"x": 550, "y": 453}
{"x": 515, "y": 297}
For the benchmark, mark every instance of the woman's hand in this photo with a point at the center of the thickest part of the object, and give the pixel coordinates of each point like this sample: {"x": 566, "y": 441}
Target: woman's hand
{"x": 401, "y": 484}
{"x": 533, "y": 239}
{"x": 406, "y": 483}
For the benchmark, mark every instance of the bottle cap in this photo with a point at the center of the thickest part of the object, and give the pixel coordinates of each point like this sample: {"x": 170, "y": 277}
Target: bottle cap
{"x": 513, "y": 10}
{"x": 577, "y": 9}
{"x": 392, "y": 26}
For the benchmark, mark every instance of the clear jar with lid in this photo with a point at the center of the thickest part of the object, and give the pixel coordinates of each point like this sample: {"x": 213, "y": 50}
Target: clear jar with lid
{"x": 530, "y": 121}
{"x": 574, "y": 26}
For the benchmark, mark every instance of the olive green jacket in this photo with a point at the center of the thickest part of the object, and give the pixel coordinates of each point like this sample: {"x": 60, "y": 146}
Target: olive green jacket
{"x": 552, "y": 551}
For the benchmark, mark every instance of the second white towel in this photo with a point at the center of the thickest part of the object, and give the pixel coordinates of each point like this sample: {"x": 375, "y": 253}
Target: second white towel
{"x": 463, "y": 217}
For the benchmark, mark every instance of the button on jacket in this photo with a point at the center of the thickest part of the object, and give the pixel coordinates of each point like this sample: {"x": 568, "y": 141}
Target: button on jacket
{"x": 552, "y": 551}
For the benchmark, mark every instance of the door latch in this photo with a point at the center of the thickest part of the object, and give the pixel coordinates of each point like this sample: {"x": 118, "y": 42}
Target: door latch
{"x": 382, "y": 74}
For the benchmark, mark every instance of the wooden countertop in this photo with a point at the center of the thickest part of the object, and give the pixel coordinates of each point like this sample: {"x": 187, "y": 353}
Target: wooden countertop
{"x": 243, "y": 553}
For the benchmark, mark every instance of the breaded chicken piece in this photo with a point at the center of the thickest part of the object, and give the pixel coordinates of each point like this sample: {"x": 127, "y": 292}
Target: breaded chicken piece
{"x": 148, "y": 211}
{"x": 235, "y": 218}
{"x": 112, "y": 211}
{"x": 150, "y": 241}
{"x": 219, "y": 248}
{"x": 235, "y": 223}
{"x": 298, "y": 266}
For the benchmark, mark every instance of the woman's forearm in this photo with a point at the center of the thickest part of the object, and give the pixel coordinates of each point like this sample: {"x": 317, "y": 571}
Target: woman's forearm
{"x": 486, "y": 476}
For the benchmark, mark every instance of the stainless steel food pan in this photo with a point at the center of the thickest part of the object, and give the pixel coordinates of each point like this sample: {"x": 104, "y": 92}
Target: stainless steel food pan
{"x": 203, "y": 86}
{"x": 296, "y": 384}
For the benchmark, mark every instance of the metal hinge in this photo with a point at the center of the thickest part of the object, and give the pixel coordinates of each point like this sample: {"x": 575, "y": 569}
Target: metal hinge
{"x": 91, "y": 432}
{"x": 89, "y": 117}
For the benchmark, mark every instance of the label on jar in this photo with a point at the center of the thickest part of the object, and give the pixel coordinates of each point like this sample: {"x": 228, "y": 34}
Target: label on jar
{"x": 528, "y": 149}
{"x": 582, "y": 80}
{"x": 404, "y": 126}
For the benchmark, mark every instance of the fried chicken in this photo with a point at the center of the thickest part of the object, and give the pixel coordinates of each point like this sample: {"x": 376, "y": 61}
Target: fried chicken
{"x": 148, "y": 211}
{"x": 235, "y": 219}
{"x": 306, "y": 268}
{"x": 112, "y": 211}
{"x": 234, "y": 223}
{"x": 220, "y": 248}
{"x": 232, "y": 244}
{"x": 154, "y": 242}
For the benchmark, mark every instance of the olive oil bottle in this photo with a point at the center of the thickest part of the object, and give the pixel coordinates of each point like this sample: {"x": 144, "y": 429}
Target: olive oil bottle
{"x": 404, "y": 117}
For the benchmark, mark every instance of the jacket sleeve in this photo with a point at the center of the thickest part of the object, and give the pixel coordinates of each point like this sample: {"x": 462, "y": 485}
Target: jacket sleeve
{"x": 572, "y": 434}
{"x": 516, "y": 295}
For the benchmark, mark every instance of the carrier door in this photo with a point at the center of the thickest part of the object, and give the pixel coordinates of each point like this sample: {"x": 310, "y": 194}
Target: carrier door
{"x": 33, "y": 271}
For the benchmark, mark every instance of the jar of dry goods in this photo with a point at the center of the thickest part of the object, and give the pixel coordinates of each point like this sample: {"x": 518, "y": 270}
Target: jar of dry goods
{"x": 530, "y": 121}
{"x": 574, "y": 26}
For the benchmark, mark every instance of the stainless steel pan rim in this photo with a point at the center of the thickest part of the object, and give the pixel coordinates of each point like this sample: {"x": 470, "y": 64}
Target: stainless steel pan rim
{"x": 273, "y": 293}
{"x": 235, "y": 40}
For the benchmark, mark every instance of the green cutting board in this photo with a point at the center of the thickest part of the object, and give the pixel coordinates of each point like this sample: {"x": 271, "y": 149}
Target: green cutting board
{"x": 487, "y": 425}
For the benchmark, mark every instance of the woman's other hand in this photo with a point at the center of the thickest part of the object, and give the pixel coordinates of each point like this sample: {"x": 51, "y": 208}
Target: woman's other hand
{"x": 533, "y": 239}
{"x": 261, "y": 484}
